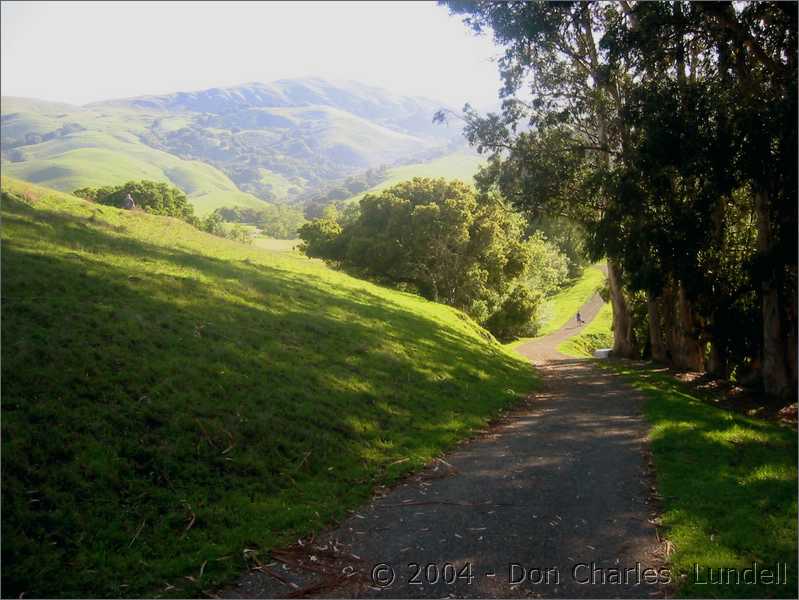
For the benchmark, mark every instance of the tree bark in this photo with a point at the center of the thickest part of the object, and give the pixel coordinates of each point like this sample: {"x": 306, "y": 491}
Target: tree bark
{"x": 655, "y": 329}
{"x": 623, "y": 341}
{"x": 779, "y": 368}
{"x": 679, "y": 329}
{"x": 688, "y": 348}
{"x": 666, "y": 303}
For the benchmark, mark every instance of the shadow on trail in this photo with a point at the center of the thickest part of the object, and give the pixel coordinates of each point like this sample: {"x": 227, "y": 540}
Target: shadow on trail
{"x": 562, "y": 482}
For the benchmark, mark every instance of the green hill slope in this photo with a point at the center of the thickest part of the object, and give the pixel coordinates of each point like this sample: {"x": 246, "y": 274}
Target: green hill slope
{"x": 275, "y": 141}
{"x": 462, "y": 165}
{"x": 95, "y": 158}
{"x": 563, "y": 306}
{"x": 171, "y": 398}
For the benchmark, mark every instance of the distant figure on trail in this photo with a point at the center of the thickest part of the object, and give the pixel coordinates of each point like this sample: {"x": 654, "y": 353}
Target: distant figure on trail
{"x": 579, "y": 318}
{"x": 129, "y": 203}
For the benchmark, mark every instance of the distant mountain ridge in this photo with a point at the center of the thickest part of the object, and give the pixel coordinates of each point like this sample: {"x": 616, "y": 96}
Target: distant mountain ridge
{"x": 278, "y": 141}
{"x": 368, "y": 102}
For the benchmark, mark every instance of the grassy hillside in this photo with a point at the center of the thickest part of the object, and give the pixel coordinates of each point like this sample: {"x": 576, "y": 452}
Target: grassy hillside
{"x": 171, "y": 398}
{"x": 458, "y": 165}
{"x": 273, "y": 141}
{"x": 12, "y": 104}
{"x": 96, "y": 158}
{"x": 564, "y": 305}
{"x": 597, "y": 334}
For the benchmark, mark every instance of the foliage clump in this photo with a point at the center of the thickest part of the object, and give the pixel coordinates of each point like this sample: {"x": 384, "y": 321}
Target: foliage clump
{"x": 275, "y": 220}
{"x": 444, "y": 241}
{"x": 152, "y": 196}
{"x": 159, "y": 198}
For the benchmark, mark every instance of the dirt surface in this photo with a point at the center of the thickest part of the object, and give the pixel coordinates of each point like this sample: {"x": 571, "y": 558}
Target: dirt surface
{"x": 552, "y": 501}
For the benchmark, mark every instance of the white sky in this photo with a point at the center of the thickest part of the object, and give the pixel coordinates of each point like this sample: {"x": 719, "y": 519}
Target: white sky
{"x": 81, "y": 52}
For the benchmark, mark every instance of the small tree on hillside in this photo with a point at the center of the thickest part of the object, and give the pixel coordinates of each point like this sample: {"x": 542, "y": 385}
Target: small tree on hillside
{"x": 152, "y": 196}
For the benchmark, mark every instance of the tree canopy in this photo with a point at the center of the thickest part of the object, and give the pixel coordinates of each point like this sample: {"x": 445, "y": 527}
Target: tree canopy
{"x": 442, "y": 240}
{"x": 668, "y": 131}
{"x": 152, "y": 196}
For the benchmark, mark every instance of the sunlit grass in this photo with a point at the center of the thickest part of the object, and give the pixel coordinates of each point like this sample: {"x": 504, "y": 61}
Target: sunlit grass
{"x": 594, "y": 335}
{"x": 458, "y": 165}
{"x": 563, "y": 306}
{"x": 728, "y": 483}
{"x": 171, "y": 398}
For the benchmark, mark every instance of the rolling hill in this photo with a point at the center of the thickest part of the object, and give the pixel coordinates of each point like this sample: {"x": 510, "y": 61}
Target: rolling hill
{"x": 462, "y": 165}
{"x": 223, "y": 146}
{"x": 171, "y": 398}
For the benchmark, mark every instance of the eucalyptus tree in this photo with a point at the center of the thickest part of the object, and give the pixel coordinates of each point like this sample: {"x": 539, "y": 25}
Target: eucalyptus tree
{"x": 757, "y": 47}
{"x": 668, "y": 130}
{"x": 559, "y": 138}
{"x": 713, "y": 110}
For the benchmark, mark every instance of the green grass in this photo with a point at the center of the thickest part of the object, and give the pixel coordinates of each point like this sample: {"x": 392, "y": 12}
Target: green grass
{"x": 171, "y": 398}
{"x": 458, "y": 165}
{"x": 729, "y": 486}
{"x": 564, "y": 305}
{"x": 597, "y": 334}
{"x": 205, "y": 203}
{"x": 111, "y": 153}
{"x": 280, "y": 185}
{"x": 274, "y": 245}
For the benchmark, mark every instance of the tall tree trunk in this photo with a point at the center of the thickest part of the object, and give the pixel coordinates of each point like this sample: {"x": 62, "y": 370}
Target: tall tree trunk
{"x": 655, "y": 329}
{"x": 666, "y": 304}
{"x": 623, "y": 342}
{"x": 688, "y": 351}
{"x": 779, "y": 370}
{"x": 718, "y": 364}
{"x": 679, "y": 329}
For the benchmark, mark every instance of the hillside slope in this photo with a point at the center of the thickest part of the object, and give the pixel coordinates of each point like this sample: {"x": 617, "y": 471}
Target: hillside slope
{"x": 272, "y": 141}
{"x": 87, "y": 148}
{"x": 462, "y": 165}
{"x": 171, "y": 398}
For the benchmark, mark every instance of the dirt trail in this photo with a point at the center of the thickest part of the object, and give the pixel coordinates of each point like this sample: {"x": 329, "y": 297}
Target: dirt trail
{"x": 559, "y": 492}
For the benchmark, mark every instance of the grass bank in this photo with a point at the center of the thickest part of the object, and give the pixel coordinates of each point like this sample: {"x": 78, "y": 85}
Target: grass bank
{"x": 171, "y": 398}
{"x": 729, "y": 488}
{"x": 562, "y": 307}
{"x": 597, "y": 334}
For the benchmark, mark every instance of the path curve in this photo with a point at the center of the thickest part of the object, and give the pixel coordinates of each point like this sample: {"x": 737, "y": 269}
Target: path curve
{"x": 562, "y": 485}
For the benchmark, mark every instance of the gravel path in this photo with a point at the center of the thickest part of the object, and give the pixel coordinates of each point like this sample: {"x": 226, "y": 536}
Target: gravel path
{"x": 552, "y": 501}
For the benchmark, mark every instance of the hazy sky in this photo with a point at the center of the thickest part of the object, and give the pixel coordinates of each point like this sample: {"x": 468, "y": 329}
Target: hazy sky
{"x": 80, "y": 52}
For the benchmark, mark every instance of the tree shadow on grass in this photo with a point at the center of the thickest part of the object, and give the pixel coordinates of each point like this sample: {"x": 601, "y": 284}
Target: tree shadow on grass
{"x": 728, "y": 484}
{"x": 144, "y": 384}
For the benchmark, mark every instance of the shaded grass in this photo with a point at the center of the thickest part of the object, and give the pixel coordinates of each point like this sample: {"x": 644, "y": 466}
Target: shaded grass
{"x": 729, "y": 486}
{"x": 171, "y": 398}
{"x": 596, "y": 334}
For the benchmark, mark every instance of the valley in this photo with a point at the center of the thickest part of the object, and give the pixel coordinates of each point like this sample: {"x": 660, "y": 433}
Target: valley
{"x": 239, "y": 146}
